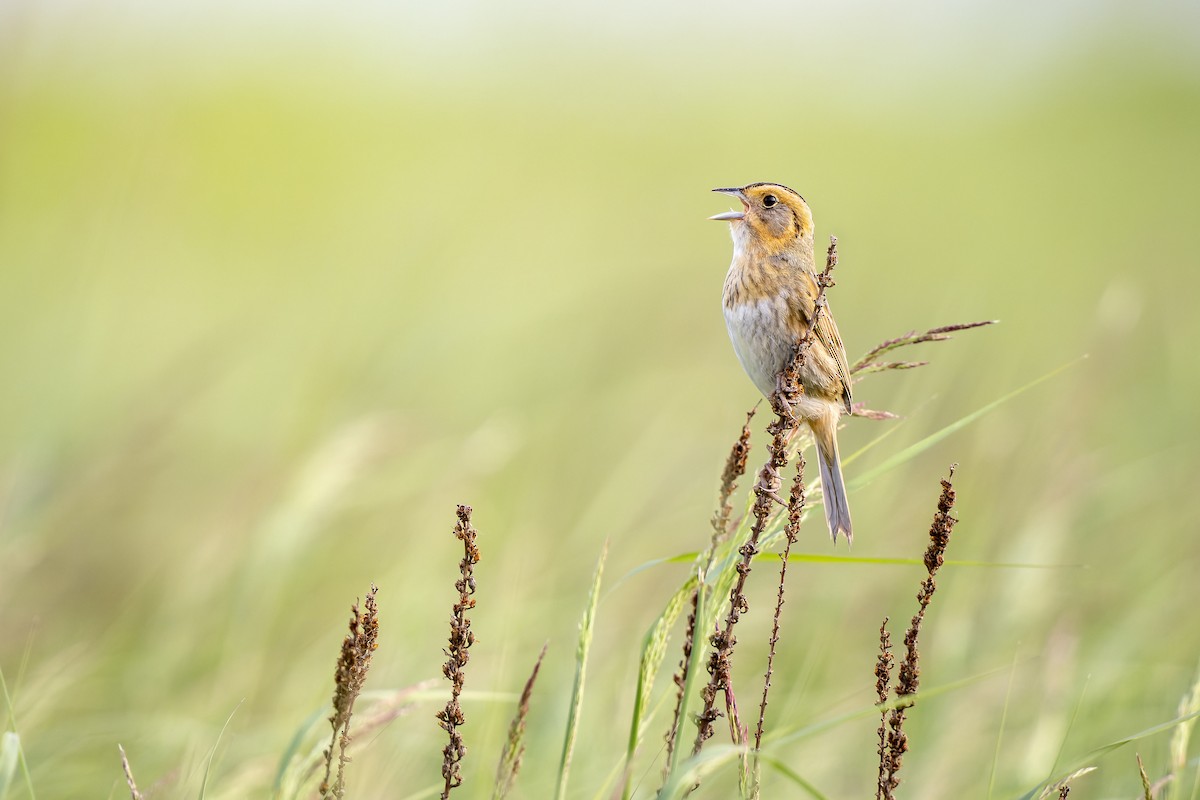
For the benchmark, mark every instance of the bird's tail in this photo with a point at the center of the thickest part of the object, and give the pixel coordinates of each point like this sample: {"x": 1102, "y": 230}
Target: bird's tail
{"x": 837, "y": 512}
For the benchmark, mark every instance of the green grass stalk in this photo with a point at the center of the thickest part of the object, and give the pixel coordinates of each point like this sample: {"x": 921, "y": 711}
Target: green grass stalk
{"x": 586, "y": 626}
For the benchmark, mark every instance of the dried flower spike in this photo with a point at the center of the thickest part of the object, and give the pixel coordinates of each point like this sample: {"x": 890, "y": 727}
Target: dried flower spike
{"x": 796, "y": 501}
{"x": 909, "y": 674}
{"x": 458, "y": 653}
{"x": 129, "y": 781}
{"x": 349, "y": 677}
{"x": 514, "y": 745}
{"x": 766, "y": 491}
{"x": 883, "y": 681}
{"x": 735, "y": 468}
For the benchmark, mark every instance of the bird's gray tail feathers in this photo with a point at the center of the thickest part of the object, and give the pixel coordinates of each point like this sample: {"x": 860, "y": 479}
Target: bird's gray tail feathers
{"x": 837, "y": 512}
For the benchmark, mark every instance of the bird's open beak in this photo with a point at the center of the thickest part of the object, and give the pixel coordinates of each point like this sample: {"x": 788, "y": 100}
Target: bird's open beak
{"x": 732, "y": 215}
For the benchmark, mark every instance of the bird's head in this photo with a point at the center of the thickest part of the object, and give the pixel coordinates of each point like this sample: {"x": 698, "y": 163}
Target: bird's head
{"x": 772, "y": 216}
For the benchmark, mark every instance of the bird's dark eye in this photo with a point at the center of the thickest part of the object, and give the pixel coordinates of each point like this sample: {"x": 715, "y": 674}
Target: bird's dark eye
{"x": 770, "y": 200}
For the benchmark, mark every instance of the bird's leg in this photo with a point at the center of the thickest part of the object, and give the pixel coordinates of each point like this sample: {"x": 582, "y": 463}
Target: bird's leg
{"x": 783, "y": 390}
{"x": 770, "y": 491}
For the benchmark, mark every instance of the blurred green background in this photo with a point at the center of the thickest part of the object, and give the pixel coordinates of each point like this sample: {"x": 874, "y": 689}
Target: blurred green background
{"x": 279, "y": 287}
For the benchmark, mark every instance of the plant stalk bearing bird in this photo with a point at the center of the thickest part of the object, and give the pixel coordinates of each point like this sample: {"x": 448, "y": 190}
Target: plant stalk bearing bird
{"x": 769, "y": 299}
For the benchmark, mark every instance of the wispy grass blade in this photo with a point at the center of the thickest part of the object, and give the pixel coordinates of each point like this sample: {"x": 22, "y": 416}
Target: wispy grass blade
{"x": 10, "y": 753}
{"x": 212, "y": 753}
{"x": 13, "y": 742}
{"x": 1116, "y": 744}
{"x": 878, "y": 440}
{"x": 793, "y": 776}
{"x": 825, "y": 558}
{"x": 1070, "y": 727}
{"x": 913, "y": 450}
{"x": 581, "y": 657}
{"x": 1179, "y": 740}
{"x": 691, "y": 771}
{"x": 382, "y": 706}
{"x": 1063, "y": 787}
{"x": 788, "y": 734}
{"x": 1000, "y": 732}
{"x": 286, "y": 784}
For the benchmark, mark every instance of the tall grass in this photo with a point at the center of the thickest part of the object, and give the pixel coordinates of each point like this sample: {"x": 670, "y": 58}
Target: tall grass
{"x": 727, "y": 555}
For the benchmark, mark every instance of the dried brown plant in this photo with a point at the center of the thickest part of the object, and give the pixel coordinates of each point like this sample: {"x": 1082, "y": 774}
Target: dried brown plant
{"x": 129, "y": 781}
{"x": 766, "y": 491}
{"x": 883, "y": 685}
{"x": 795, "y": 511}
{"x": 909, "y": 674}
{"x": 349, "y": 677}
{"x": 870, "y": 362}
{"x": 514, "y": 745}
{"x": 680, "y": 679}
{"x": 1147, "y": 793}
{"x": 458, "y": 653}
{"x": 735, "y": 468}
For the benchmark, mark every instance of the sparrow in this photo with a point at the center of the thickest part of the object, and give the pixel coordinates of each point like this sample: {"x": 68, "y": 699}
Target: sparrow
{"x": 769, "y": 296}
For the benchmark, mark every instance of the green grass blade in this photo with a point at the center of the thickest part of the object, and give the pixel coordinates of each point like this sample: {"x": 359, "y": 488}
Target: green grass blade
{"x": 825, "y": 558}
{"x": 1070, "y": 727}
{"x": 699, "y": 650}
{"x": 1000, "y": 733}
{"x": 786, "y": 735}
{"x": 892, "y": 427}
{"x": 654, "y": 562}
{"x": 15, "y": 740}
{"x": 10, "y": 753}
{"x": 793, "y": 776}
{"x": 431, "y": 791}
{"x": 1180, "y": 739}
{"x": 693, "y": 770}
{"x": 654, "y": 650}
{"x": 1104, "y": 750}
{"x": 913, "y": 450}
{"x": 581, "y": 657}
{"x": 293, "y": 749}
{"x": 212, "y": 753}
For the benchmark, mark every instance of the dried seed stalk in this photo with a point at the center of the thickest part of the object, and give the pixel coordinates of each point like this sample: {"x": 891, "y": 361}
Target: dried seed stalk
{"x": 514, "y": 745}
{"x": 349, "y": 677}
{"x": 766, "y": 489}
{"x": 909, "y": 674}
{"x": 458, "y": 653}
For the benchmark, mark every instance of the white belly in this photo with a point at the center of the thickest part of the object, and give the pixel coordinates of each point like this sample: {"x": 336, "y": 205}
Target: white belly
{"x": 761, "y": 341}
{"x": 763, "y": 344}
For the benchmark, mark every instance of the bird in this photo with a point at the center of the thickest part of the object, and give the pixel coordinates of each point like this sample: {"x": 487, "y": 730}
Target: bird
{"x": 769, "y": 298}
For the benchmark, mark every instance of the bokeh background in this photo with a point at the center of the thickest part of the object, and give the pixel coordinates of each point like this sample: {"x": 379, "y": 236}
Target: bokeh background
{"x": 281, "y": 285}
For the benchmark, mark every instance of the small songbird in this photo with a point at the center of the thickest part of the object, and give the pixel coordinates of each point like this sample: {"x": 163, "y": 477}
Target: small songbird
{"x": 770, "y": 293}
